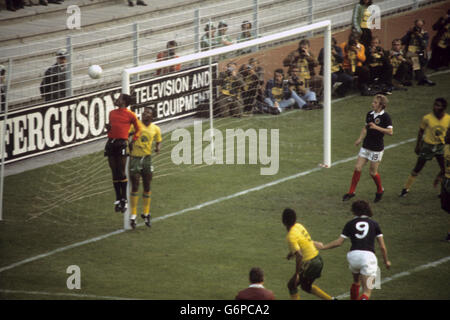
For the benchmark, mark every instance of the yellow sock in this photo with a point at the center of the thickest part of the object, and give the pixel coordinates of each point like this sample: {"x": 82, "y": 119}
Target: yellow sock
{"x": 315, "y": 290}
{"x": 147, "y": 198}
{"x": 295, "y": 296}
{"x": 410, "y": 181}
{"x": 134, "y": 198}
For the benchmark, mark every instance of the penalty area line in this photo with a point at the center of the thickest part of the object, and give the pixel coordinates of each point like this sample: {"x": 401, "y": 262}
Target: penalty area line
{"x": 197, "y": 207}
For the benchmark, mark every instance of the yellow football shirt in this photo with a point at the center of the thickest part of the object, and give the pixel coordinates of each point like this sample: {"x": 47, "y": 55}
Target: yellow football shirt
{"x": 143, "y": 146}
{"x": 434, "y": 128}
{"x": 299, "y": 239}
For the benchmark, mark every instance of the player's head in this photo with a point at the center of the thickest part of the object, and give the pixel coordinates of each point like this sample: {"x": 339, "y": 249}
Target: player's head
{"x": 439, "y": 106}
{"x": 147, "y": 116}
{"x": 380, "y": 101}
{"x": 256, "y": 275}
{"x": 361, "y": 208}
{"x": 124, "y": 100}
{"x": 289, "y": 218}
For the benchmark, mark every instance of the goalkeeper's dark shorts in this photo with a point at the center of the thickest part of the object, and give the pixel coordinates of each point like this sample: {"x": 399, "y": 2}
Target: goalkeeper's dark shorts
{"x": 116, "y": 147}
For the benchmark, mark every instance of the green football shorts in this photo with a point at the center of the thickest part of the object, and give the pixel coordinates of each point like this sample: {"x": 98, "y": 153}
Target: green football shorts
{"x": 141, "y": 165}
{"x": 312, "y": 269}
{"x": 429, "y": 151}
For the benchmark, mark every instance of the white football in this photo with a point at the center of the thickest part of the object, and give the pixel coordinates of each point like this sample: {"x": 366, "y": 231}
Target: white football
{"x": 95, "y": 71}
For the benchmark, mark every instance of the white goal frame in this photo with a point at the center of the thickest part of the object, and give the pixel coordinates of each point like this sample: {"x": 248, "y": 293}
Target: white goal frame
{"x": 318, "y": 26}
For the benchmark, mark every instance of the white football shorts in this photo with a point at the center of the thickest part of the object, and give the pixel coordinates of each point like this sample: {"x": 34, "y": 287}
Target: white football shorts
{"x": 374, "y": 156}
{"x": 363, "y": 262}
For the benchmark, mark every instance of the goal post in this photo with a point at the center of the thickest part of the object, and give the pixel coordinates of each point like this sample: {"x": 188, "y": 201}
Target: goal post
{"x": 323, "y": 26}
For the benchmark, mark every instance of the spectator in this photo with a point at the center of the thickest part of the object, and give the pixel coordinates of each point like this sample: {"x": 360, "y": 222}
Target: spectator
{"x": 138, "y": 2}
{"x": 254, "y": 63}
{"x": 245, "y": 35}
{"x": 167, "y": 54}
{"x": 401, "y": 67}
{"x": 440, "y": 45}
{"x": 360, "y": 21}
{"x": 36, "y": 2}
{"x": 304, "y": 59}
{"x": 379, "y": 66}
{"x": 279, "y": 96}
{"x": 416, "y": 43}
{"x": 3, "y": 88}
{"x": 354, "y": 57}
{"x": 53, "y": 85}
{"x": 256, "y": 290}
{"x": 208, "y": 40}
{"x": 231, "y": 84}
{"x": 13, "y": 5}
{"x": 337, "y": 72}
{"x": 306, "y": 96}
{"x": 222, "y": 38}
{"x": 251, "y": 87}
{"x": 55, "y": 1}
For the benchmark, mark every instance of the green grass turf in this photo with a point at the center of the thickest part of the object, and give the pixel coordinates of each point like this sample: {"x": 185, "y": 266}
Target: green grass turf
{"x": 207, "y": 253}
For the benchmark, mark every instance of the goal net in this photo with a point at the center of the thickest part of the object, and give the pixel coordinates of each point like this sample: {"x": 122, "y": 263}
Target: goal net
{"x": 190, "y": 98}
{"x": 229, "y": 80}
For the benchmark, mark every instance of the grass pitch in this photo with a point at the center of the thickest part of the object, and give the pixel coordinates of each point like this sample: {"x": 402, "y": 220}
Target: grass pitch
{"x": 206, "y": 253}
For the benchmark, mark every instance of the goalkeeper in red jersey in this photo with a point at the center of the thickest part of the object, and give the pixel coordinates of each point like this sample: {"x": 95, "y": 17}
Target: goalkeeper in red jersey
{"x": 120, "y": 121}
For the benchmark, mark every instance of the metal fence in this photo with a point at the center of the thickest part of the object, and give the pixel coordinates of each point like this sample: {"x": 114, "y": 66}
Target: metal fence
{"x": 115, "y": 49}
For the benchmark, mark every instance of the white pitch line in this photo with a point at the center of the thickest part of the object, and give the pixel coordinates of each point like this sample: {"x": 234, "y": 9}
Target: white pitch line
{"x": 62, "y": 294}
{"x": 197, "y": 207}
{"x": 406, "y": 273}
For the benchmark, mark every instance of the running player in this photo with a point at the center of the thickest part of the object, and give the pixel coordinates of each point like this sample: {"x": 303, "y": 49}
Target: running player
{"x": 378, "y": 123}
{"x": 430, "y": 141}
{"x": 120, "y": 121}
{"x": 309, "y": 264}
{"x": 362, "y": 231}
{"x": 141, "y": 165}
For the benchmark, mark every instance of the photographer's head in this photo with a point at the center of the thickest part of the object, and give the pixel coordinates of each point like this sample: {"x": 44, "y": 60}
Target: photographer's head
{"x": 278, "y": 76}
{"x": 396, "y": 45}
{"x": 375, "y": 42}
{"x": 231, "y": 68}
{"x": 418, "y": 25}
{"x": 246, "y": 25}
{"x": 303, "y": 46}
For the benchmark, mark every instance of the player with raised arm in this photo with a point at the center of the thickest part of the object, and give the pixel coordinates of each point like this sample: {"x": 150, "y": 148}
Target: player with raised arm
{"x": 120, "y": 121}
{"x": 308, "y": 262}
{"x": 141, "y": 165}
{"x": 378, "y": 123}
{"x": 362, "y": 231}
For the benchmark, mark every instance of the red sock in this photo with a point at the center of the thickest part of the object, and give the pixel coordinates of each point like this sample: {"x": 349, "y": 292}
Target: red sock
{"x": 355, "y": 180}
{"x": 354, "y": 291}
{"x": 377, "y": 179}
{"x": 363, "y": 297}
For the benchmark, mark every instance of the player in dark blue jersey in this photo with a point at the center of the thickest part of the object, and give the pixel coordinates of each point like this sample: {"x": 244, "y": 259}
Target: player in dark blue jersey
{"x": 378, "y": 123}
{"x": 362, "y": 231}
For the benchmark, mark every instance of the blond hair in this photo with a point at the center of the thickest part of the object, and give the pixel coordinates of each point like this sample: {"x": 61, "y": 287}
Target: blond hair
{"x": 382, "y": 99}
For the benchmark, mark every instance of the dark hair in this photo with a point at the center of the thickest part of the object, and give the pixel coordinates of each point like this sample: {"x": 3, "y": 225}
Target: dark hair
{"x": 279, "y": 70}
{"x": 442, "y": 101}
{"x": 397, "y": 40}
{"x": 361, "y": 208}
{"x": 289, "y": 217}
{"x": 246, "y": 22}
{"x": 127, "y": 99}
{"x": 304, "y": 41}
{"x": 171, "y": 43}
{"x": 256, "y": 275}
{"x": 352, "y": 42}
{"x": 354, "y": 35}
{"x": 361, "y": 2}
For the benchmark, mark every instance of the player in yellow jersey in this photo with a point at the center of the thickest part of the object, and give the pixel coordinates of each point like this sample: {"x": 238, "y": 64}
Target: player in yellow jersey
{"x": 430, "y": 141}
{"x": 141, "y": 165}
{"x": 444, "y": 179}
{"x": 309, "y": 264}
